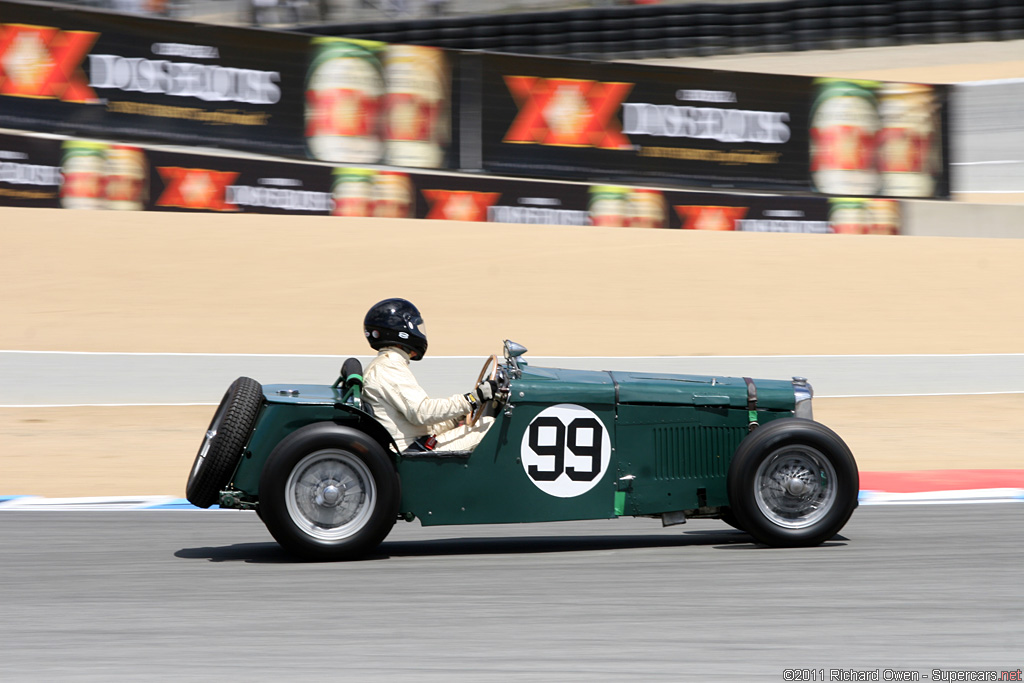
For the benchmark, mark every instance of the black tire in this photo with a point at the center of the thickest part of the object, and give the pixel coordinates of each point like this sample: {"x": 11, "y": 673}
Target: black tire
{"x": 223, "y": 443}
{"x": 793, "y": 482}
{"x": 329, "y": 492}
{"x": 729, "y": 517}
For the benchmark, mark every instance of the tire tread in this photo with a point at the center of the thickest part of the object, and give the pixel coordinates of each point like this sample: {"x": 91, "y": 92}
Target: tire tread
{"x": 242, "y": 403}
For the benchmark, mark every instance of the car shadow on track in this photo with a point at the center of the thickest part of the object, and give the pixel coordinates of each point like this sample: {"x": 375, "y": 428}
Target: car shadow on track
{"x": 259, "y": 553}
{"x": 271, "y": 553}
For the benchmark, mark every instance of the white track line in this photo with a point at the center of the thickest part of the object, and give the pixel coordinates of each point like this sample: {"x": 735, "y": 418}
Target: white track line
{"x": 122, "y": 503}
{"x": 998, "y": 162}
{"x": 176, "y": 405}
{"x": 304, "y": 355}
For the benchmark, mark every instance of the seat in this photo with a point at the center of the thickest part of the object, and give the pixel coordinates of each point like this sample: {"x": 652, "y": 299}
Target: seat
{"x": 351, "y": 383}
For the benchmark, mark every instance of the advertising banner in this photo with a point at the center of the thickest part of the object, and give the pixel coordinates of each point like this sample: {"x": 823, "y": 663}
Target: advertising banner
{"x": 114, "y": 76}
{"x": 874, "y": 216}
{"x": 87, "y": 174}
{"x": 99, "y": 74}
{"x": 873, "y": 138}
{"x": 556, "y": 117}
{"x": 72, "y": 174}
{"x": 188, "y": 182}
{"x": 30, "y": 172}
{"x": 372, "y": 103}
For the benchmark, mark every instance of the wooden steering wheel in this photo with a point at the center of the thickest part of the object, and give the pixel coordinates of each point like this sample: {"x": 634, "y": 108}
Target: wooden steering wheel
{"x": 492, "y": 363}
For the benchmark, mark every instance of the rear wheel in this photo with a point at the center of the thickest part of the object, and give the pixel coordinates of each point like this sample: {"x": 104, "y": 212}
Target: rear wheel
{"x": 223, "y": 443}
{"x": 329, "y": 493}
{"x": 792, "y": 482}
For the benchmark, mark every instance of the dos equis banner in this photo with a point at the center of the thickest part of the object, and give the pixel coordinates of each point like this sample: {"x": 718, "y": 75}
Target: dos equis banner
{"x": 106, "y": 75}
{"x": 100, "y": 75}
{"x": 46, "y": 172}
{"x": 96, "y": 74}
{"x": 635, "y": 123}
{"x": 578, "y": 119}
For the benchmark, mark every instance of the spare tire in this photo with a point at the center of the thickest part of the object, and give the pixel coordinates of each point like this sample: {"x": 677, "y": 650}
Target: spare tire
{"x": 223, "y": 443}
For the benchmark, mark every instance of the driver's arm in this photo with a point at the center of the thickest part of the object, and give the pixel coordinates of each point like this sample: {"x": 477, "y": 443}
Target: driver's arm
{"x": 399, "y": 388}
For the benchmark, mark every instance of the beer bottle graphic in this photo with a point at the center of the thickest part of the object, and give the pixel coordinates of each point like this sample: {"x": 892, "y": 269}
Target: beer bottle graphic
{"x": 344, "y": 96}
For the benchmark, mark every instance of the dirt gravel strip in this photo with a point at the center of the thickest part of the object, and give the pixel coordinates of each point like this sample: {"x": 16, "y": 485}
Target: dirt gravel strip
{"x": 148, "y": 450}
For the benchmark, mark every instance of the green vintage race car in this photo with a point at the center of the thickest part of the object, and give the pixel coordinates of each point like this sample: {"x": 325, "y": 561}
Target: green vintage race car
{"x": 329, "y": 483}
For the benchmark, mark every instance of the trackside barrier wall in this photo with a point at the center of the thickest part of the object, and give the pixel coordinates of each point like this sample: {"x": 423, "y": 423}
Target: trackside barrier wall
{"x": 699, "y": 29}
{"x": 987, "y": 137}
{"x": 349, "y": 102}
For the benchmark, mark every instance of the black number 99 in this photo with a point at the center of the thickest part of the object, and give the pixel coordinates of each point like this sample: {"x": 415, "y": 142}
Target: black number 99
{"x": 557, "y": 449}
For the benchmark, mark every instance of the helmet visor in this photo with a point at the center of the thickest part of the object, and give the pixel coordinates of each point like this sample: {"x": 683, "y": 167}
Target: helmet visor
{"x": 414, "y": 322}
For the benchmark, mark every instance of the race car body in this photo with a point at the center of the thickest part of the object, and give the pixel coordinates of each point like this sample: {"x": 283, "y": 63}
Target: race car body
{"x": 329, "y": 482}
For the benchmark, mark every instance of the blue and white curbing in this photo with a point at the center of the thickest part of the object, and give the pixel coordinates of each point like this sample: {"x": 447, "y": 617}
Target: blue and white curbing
{"x": 102, "y": 503}
{"x": 120, "y": 503}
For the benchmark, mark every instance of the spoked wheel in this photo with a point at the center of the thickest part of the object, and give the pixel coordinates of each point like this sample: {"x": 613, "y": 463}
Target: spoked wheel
{"x": 795, "y": 487}
{"x": 223, "y": 442}
{"x": 792, "y": 482}
{"x": 329, "y": 493}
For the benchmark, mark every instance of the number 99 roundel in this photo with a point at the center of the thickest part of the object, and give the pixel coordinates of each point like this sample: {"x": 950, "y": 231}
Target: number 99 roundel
{"x": 566, "y": 450}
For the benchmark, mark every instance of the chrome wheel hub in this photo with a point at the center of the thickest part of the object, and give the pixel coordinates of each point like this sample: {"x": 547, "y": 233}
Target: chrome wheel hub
{"x": 796, "y": 486}
{"x": 330, "y": 494}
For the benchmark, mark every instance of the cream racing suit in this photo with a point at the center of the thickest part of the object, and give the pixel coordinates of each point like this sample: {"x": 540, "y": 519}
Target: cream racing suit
{"x": 403, "y": 407}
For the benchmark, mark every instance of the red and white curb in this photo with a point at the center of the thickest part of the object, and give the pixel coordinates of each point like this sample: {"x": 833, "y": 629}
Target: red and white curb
{"x": 941, "y": 486}
{"x": 925, "y": 487}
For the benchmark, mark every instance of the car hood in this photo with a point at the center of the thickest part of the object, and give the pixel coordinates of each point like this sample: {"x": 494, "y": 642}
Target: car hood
{"x": 700, "y": 390}
{"x": 652, "y": 388}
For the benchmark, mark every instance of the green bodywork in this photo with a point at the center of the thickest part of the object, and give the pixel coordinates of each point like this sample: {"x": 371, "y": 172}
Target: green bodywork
{"x": 672, "y": 438}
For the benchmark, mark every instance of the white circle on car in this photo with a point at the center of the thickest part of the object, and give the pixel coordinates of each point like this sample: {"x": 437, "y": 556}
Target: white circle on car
{"x": 566, "y": 450}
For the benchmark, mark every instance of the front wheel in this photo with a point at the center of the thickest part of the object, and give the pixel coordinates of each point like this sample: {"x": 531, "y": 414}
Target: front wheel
{"x": 793, "y": 482}
{"x": 329, "y": 493}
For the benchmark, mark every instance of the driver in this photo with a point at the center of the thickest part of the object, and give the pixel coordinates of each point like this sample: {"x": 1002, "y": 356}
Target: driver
{"x": 394, "y": 328}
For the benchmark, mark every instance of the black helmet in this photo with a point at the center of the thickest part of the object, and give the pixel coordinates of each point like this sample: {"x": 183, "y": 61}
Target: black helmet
{"x": 396, "y": 322}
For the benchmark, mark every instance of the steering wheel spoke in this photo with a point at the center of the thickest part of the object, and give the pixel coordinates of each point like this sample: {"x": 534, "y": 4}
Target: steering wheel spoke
{"x": 491, "y": 365}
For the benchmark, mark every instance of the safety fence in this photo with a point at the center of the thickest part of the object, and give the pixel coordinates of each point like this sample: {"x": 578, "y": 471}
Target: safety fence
{"x": 672, "y": 30}
{"x": 99, "y": 75}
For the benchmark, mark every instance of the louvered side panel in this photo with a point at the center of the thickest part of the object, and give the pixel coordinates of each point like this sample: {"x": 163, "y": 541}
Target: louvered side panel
{"x": 693, "y": 452}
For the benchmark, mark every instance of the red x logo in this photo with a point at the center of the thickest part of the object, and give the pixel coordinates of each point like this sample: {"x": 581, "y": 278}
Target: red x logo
{"x": 460, "y": 205}
{"x": 341, "y": 111}
{"x": 567, "y": 112}
{"x": 43, "y": 62}
{"x": 711, "y": 217}
{"x": 196, "y": 188}
{"x": 840, "y": 147}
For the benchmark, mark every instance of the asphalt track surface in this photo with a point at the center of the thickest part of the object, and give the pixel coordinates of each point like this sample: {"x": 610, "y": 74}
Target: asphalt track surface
{"x": 133, "y": 596}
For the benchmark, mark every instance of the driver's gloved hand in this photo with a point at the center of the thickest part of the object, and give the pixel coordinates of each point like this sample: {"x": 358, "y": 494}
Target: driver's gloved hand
{"x": 486, "y": 390}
